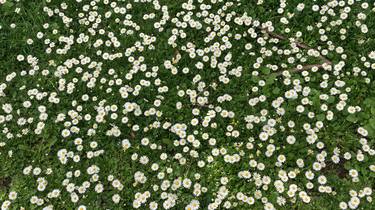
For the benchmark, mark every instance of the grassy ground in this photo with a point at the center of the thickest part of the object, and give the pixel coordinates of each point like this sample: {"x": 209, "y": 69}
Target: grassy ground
{"x": 56, "y": 83}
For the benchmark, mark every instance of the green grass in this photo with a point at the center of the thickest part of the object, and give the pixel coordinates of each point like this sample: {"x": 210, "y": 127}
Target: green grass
{"x": 41, "y": 149}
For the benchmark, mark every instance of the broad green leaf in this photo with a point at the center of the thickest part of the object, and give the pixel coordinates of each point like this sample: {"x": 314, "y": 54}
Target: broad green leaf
{"x": 352, "y": 118}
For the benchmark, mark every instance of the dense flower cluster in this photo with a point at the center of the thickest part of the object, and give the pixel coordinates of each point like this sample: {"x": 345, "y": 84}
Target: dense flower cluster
{"x": 194, "y": 104}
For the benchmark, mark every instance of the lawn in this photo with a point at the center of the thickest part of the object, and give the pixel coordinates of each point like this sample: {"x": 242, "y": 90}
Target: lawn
{"x": 187, "y": 104}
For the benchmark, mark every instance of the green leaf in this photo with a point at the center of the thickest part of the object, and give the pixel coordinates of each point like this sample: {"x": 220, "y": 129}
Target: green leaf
{"x": 265, "y": 70}
{"x": 271, "y": 79}
{"x": 363, "y": 115}
{"x": 8, "y": 5}
{"x": 373, "y": 110}
{"x": 167, "y": 141}
{"x": 352, "y": 118}
{"x": 331, "y": 100}
{"x": 321, "y": 117}
{"x": 369, "y": 102}
{"x": 370, "y": 129}
{"x": 316, "y": 100}
{"x": 276, "y": 91}
{"x": 372, "y": 123}
{"x": 55, "y": 26}
{"x": 255, "y": 79}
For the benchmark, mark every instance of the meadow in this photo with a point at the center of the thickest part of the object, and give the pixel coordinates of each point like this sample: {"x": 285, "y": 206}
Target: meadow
{"x": 187, "y": 104}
